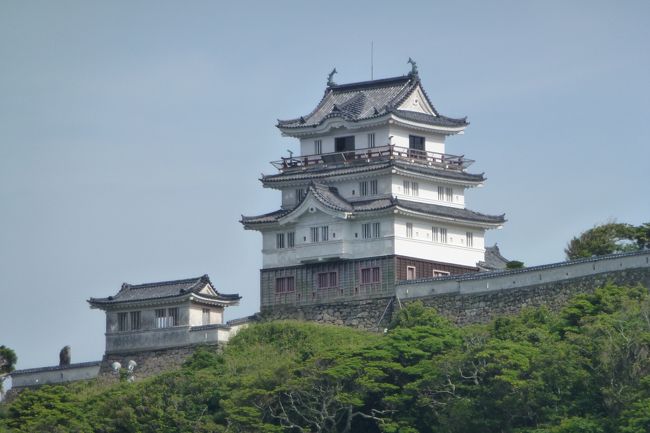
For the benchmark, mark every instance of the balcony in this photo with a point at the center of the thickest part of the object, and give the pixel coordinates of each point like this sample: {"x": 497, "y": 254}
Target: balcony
{"x": 370, "y": 154}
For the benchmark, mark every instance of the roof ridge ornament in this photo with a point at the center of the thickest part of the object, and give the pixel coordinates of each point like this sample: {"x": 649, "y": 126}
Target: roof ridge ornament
{"x": 414, "y": 67}
{"x": 330, "y": 81}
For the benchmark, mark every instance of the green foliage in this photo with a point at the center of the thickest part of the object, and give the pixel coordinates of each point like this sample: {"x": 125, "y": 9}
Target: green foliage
{"x": 585, "y": 369}
{"x": 8, "y": 360}
{"x": 514, "y": 264}
{"x": 608, "y": 239}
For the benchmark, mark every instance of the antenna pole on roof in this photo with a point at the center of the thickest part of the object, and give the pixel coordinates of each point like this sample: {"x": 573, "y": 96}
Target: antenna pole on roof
{"x": 372, "y": 58}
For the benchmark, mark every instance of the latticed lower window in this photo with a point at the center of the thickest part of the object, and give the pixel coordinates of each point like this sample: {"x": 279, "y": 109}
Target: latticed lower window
{"x": 363, "y": 188}
{"x": 373, "y": 187}
{"x": 291, "y": 239}
{"x": 469, "y": 239}
{"x": 279, "y": 240}
{"x": 285, "y": 284}
{"x": 327, "y": 280}
{"x": 435, "y": 234}
{"x": 370, "y": 275}
{"x": 376, "y": 230}
{"x": 166, "y": 318}
{"x": 366, "y": 231}
{"x": 449, "y": 194}
{"x": 443, "y": 235}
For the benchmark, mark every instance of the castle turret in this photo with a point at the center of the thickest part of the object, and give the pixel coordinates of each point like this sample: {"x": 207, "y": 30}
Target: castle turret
{"x": 372, "y": 199}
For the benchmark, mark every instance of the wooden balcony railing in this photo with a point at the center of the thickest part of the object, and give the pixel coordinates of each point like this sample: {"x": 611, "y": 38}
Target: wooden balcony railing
{"x": 441, "y": 160}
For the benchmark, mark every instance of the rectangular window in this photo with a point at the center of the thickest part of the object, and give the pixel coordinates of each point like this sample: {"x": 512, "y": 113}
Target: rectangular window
{"x": 443, "y": 235}
{"x": 416, "y": 142}
{"x": 300, "y": 194}
{"x": 407, "y": 187}
{"x": 314, "y": 234}
{"x": 344, "y": 144}
{"x": 172, "y": 316}
{"x": 435, "y": 234}
{"x": 285, "y": 284}
{"x": 279, "y": 240}
{"x": 291, "y": 239}
{"x": 449, "y": 194}
{"x": 373, "y": 187}
{"x": 122, "y": 322}
{"x": 160, "y": 318}
{"x": 135, "y": 320}
{"x": 415, "y": 189}
{"x": 318, "y": 147}
{"x": 327, "y": 280}
{"x": 366, "y": 231}
{"x": 370, "y": 275}
{"x": 371, "y": 139}
{"x": 363, "y": 188}
{"x": 205, "y": 318}
{"x": 324, "y": 233}
{"x": 409, "y": 230}
{"x": 437, "y": 273}
{"x": 441, "y": 193}
{"x": 375, "y": 230}
{"x": 410, "y": 273}
{"x": 469, "y": 239}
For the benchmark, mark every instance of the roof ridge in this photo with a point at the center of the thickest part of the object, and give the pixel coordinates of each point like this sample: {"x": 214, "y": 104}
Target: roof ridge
{"x": 369, "y": 83}
{"x": 167, "y": 283}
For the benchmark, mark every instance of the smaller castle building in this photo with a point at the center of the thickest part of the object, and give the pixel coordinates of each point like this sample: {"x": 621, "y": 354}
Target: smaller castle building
{"x": 165, "y": 315}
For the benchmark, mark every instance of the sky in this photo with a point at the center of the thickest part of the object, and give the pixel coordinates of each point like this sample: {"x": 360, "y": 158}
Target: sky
{"x": 133, "y": 133}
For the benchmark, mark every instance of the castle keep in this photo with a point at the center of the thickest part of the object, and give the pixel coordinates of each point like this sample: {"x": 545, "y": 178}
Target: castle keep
{"x": 373, "y": 198}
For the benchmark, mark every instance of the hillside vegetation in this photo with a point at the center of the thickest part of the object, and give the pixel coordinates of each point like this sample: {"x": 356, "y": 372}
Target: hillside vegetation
{"x": 583, "y": 370}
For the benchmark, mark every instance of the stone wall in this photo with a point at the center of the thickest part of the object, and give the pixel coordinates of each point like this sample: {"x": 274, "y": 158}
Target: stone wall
{"x": 477, "y": 298}
{"x": 370, "y": 314}
{"x": 149, "y": 362}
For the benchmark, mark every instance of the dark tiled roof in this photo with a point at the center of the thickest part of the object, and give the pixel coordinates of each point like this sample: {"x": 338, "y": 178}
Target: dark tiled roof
{"x": 493, "y": 259}
{"x": 330, "y": 197}
{"x": 163, "y": 290}
{"x": 55, "y": 367}
{"x": 450, "y": 212}
{"x": 366, "y": 100}
{"x": 317, "y": 171}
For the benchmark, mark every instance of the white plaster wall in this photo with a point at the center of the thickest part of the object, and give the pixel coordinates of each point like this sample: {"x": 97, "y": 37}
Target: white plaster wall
{"x": 421, "y": 245}
{"x": 428, "y": 191}
{"x": 196, "y": 315}
{"x": 39, "y": 377}
{"x": 432, "y": 142}
{"x": 360, "y": 139}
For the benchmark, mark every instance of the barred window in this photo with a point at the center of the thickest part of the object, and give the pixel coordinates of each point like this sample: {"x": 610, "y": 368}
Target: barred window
{"x": 443, "y": 235}
{"x": 437, "y": 273}
{"x": 122, "y": 322}
{"x": 363, "y": 188}
{"x": 376, "y": 230}
{"x": 135, "y": 320}
{"x": 469, "y": 239}
{"x": 409, "y": 230}
{"x": 318, "y": 147}
{"x": 441, "y": 193}
{"x": 373, "y": 187}
{"x": 371, "y": 139}
{"x": 279, "y": 240}
{"x": 449, "y": 194}
{"x": 166, "y": 318}
{"x": 410, "y": 273}
{"x": 205, "y": 317}
{"x": 314, "y": 234}
{"x": 407, "y": 187}
{"x": 415, "y": 189}
{"x": 435, "y": 234}
{"x": 324, "y": 233}
{"x": 300, "y": 194}
{"x": 291, "y": 239}
{"x": 366, "y": 231}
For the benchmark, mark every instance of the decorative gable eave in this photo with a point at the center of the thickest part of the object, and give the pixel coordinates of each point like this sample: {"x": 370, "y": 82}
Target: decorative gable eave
{"x": 400, "y": 210}
{"x": 333, "y": 121}
{"x": 310, "y": 204}
{"x": 400, "y": 120}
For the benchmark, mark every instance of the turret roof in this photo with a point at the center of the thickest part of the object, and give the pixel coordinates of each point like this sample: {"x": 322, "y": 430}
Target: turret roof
{"x": 165, "y": 290}
{"x": 330, "y": 198}
{"x": 370, "y": 99}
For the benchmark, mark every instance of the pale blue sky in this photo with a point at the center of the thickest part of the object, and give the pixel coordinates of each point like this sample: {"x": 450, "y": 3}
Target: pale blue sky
{"x": 133, "y": 133}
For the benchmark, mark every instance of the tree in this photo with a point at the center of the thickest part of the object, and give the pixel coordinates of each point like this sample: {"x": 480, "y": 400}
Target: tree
{"x": 7, "y": 364}
{"x": 606, "y": 239}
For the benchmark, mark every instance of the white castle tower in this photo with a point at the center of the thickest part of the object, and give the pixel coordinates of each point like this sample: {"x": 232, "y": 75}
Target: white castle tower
{"x": 372, "y": 199}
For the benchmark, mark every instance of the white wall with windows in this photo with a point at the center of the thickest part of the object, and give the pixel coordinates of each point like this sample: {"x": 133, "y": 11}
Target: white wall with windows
{"x": 362, "y": 140}
{"x": 432, "y": 142}
{"x": 438, "y": 241}
{"x": 424, "y": 191}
